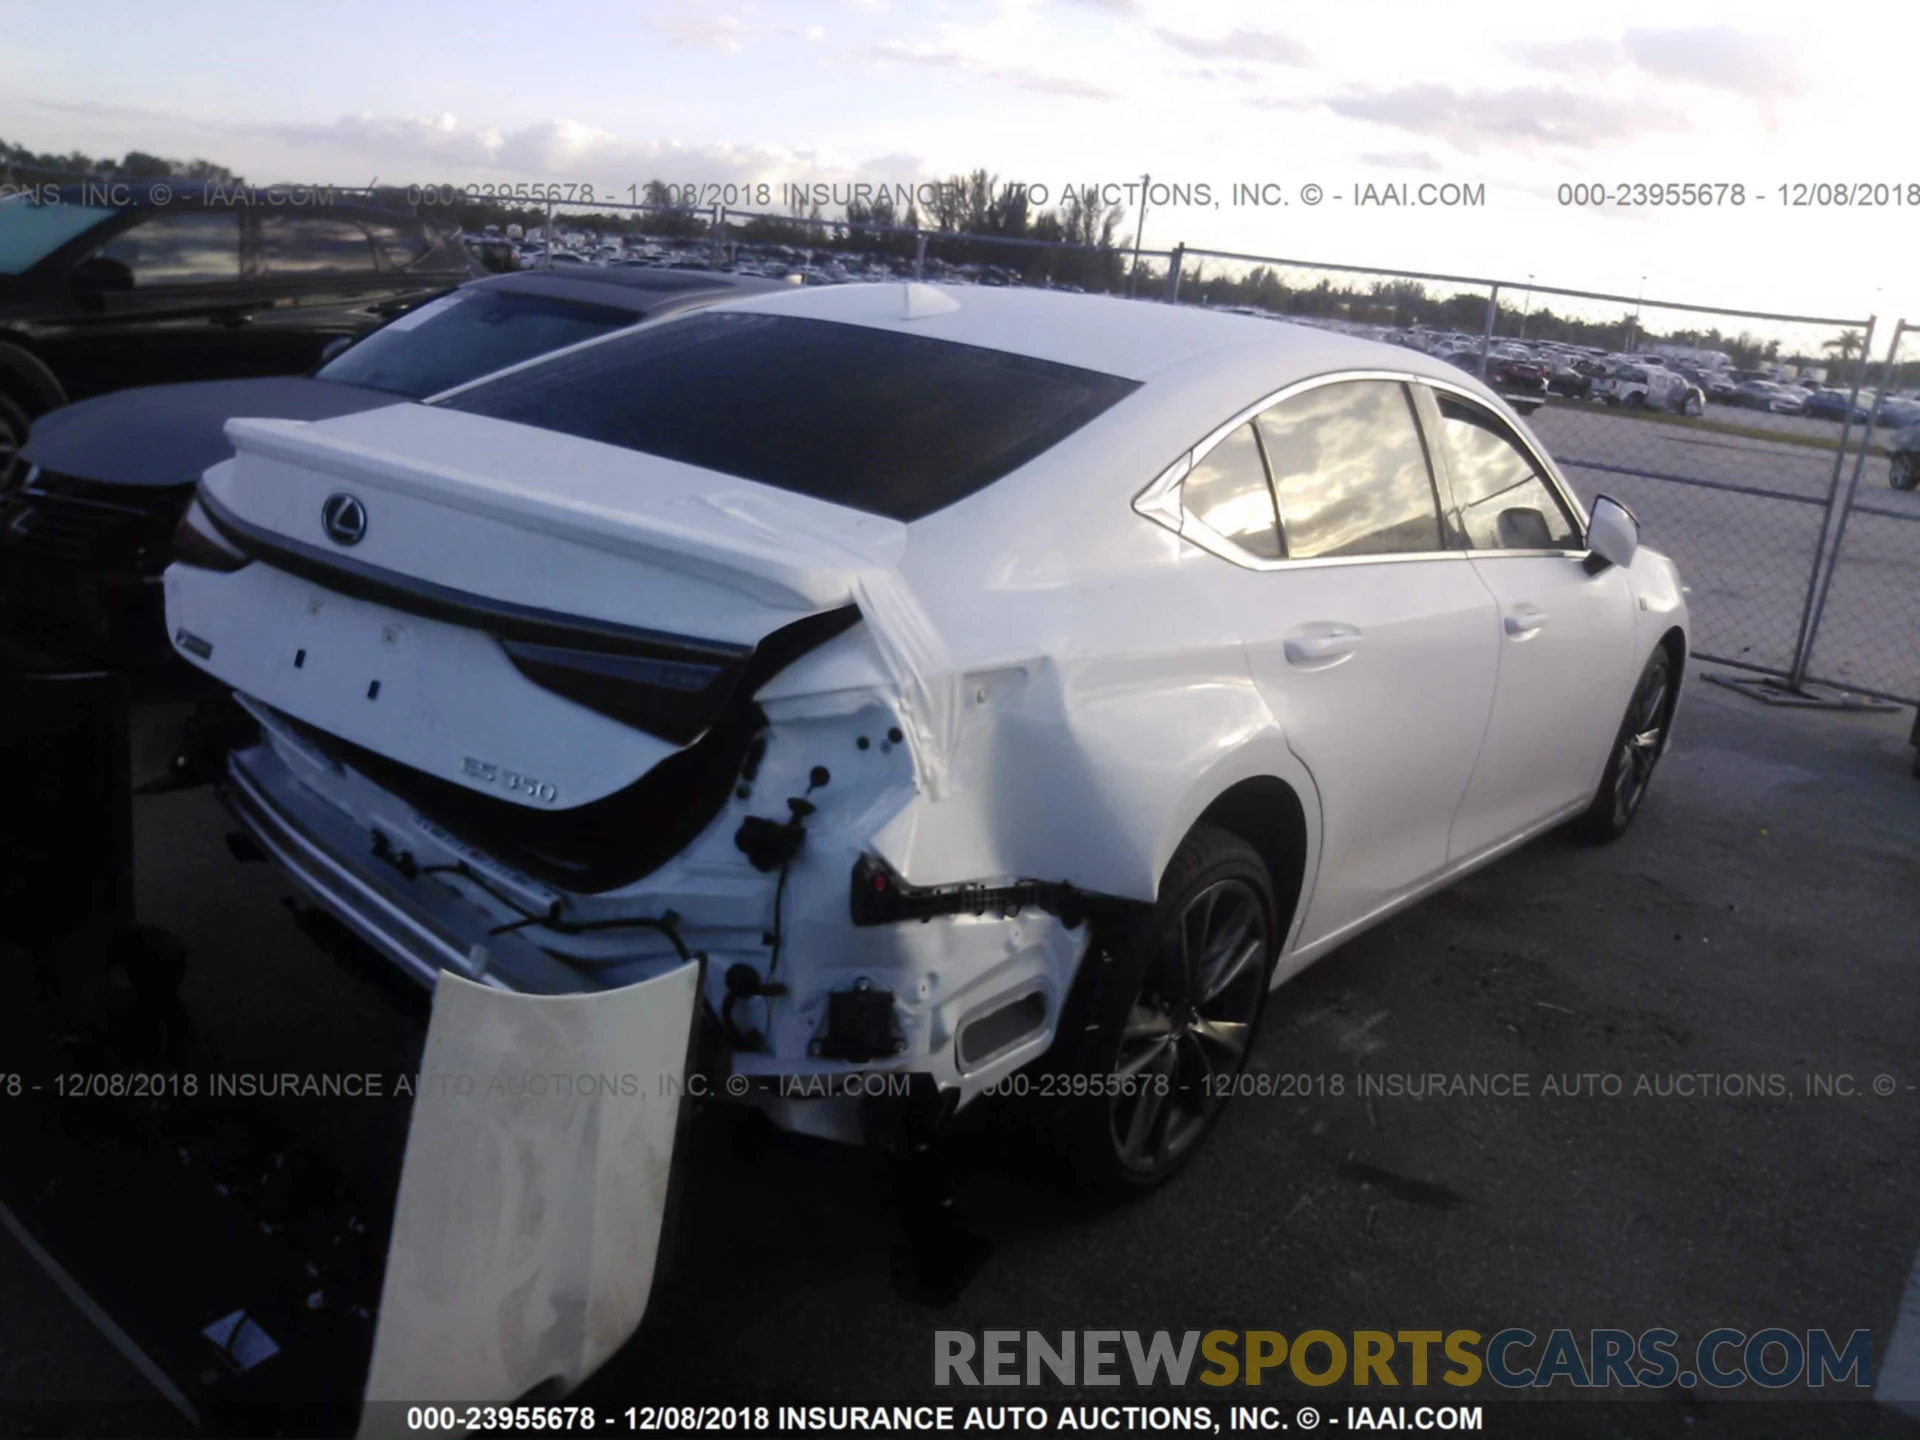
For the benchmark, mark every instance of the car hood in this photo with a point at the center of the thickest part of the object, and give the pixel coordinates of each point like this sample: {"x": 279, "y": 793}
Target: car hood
{"x": 167, "y": 435}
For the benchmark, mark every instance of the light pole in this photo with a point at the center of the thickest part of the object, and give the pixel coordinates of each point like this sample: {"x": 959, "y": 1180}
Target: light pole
{"x": 1138, "y": 230}
{"x": 1525, "y": 306}
{"x": 1633, "y": 326}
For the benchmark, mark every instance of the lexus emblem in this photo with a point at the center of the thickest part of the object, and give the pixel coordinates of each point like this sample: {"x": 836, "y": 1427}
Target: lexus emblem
{"x": 344, "y": 519}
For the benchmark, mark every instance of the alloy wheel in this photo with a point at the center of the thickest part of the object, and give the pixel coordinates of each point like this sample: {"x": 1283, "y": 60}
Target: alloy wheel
{"x": 1640, "y": 745}
{"x": 1187, "y": 1031}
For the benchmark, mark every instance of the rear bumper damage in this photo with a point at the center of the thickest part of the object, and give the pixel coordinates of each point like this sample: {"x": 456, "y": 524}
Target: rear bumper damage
{"x": 828, "y": 979}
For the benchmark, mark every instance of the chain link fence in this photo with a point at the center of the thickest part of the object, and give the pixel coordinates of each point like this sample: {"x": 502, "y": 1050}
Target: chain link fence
{"x": 1729, "y": 433}
{"x": 1865, "y": 621}
{"x": 1736, "y": 437}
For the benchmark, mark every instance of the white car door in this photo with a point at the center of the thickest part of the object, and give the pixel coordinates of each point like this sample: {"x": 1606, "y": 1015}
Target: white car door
{"x": 1373, "y": 645}
{"x": 1564, "y": 633}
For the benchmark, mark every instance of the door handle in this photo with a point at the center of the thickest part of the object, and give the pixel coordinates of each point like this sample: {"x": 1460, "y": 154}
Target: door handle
{"x": 1523, "y": 620}
{"x": 233, "y": 319}
{"x": 1320, "y": 644}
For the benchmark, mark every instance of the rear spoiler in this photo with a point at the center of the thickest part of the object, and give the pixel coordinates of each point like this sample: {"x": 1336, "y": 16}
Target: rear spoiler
{"x": 716, "y": 538}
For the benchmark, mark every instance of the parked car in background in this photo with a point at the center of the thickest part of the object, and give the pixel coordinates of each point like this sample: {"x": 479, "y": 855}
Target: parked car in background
{"x": 1572, "y": 378}
{"x": 608, "y": 669}
{"x": 1769, "y": 395}
{"x": 84, "y": 539}
{"x": 179, "y": 283}
{"x": 1717, "y": 385}
{"x": 1648, "y": 387}
{"x": 1519, "y": 379}
{"x": 1903, "y": 458}
{"x": 1898, "y": 413}
{"x": 1830, "y": 404}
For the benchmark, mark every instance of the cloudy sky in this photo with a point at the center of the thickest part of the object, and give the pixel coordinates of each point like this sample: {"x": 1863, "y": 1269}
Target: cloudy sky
{"x": 1522, "y": 99}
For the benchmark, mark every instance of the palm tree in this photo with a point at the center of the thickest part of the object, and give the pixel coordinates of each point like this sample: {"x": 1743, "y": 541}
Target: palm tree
{"x": 1847, "y": 342}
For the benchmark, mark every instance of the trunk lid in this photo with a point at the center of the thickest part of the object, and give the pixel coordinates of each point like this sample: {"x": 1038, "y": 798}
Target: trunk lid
{"x": 509, "y": 618}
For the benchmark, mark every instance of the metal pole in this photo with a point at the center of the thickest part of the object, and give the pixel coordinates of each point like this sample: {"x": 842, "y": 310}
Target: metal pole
{"x": 1812, "y": 627}
{"x": 1486, "y": 334}
{"x": 546, "y": 255}
{"x": 1174, "y": 262}
{"x": 1138, "y": 230}
{"x": 920, "y": 256}
{"x": 1525, "y": 306}
{"x": 718, "y": 228}
{"x": 1802, "y": 642}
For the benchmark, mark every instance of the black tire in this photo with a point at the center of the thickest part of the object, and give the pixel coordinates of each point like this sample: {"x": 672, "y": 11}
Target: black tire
{"x": 1636, "y": 402}
{"x": 15, "y": 419}
{"x": 1902, "y": 473}
{"x": 1172, "y": 1014}
{"x": 1636, "y": 750}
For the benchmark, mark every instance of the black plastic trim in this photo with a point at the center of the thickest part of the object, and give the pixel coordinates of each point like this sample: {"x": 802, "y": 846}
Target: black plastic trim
{"x": 501, "y": 618}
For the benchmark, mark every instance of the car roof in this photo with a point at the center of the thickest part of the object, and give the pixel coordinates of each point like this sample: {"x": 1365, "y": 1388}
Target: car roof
{"x": 1133, "y": 339}
{"x": 642, "y": 291}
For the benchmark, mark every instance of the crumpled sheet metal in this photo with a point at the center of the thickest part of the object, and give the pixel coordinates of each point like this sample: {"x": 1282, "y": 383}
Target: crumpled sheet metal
{"x": 532, "y": 1190}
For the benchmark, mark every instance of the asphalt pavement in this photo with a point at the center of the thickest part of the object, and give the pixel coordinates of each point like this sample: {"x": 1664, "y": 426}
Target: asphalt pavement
{"x": 1756, "y": 927}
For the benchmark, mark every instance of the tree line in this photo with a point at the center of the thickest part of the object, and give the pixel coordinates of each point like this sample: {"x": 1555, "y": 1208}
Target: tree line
{"x": 965, "y": 217}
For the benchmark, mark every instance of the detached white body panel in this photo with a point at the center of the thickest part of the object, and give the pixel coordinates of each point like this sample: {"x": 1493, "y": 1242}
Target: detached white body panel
{"x": 532, "y": 1192}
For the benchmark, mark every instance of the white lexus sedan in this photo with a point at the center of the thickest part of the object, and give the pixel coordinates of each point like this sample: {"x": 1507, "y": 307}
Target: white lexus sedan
{"x": 990, "y": 685}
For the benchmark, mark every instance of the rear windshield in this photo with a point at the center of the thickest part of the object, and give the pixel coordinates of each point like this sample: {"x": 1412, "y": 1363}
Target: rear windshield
{"x": 465, "y": 335}
{"x": 898, "y": 425}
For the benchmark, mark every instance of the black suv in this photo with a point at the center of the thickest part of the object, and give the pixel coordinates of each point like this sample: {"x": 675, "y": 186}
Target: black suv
{"x": 119, "y": 283}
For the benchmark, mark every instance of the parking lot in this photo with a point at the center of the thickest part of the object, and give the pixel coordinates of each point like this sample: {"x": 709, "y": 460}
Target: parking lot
{"x": 1757, "y": 923}
{"x": 1745, "y": 531}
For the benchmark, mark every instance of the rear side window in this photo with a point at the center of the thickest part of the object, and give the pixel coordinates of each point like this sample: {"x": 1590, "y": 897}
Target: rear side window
{"x": 313, "y": 245}
{"x": 466, "y": 335}
{"x": 897, "y": 425}
{"x": 1228, "y": 491}
{"x": 1504, "y": 502}
{"x": 399, "y": 245}
{"x": 1350, "y": 472}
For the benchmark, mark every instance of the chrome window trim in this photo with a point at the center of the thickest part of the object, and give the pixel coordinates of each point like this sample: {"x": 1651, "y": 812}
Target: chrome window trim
{"x": 1160, "y": 501}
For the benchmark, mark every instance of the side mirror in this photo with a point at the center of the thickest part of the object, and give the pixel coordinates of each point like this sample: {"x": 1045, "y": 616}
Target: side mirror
{"x": 1613, "y": 535}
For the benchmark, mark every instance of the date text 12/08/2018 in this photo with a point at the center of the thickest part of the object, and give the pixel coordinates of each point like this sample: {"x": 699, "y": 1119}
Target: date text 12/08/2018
{"x": 1717, "y": 194}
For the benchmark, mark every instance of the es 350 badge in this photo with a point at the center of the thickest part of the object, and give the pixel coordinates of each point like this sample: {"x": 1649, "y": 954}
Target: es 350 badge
{"x": 511, "y": 780}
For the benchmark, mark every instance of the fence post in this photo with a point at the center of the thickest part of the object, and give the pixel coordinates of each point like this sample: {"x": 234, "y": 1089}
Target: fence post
{"x": 1810, "y": 625}
{"x": 1174, "y": 263}
{"x": 919, "y": 254}
{"x": 546, "y": 255}
{"x": 1803, "y": 641}
{"x": 1486, "y": 334}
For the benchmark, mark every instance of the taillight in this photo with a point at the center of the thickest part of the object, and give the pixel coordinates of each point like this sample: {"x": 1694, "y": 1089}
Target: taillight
{"x": 197, "y": 543}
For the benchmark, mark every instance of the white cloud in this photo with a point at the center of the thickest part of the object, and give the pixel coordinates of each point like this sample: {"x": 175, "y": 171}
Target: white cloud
{"x": 899, "y": 52}
{"x": 1267, "y": 47}
{"x": 1528, "y": 117}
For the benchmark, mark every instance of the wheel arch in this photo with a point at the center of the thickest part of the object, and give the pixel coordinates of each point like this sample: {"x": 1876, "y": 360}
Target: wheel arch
{"x": 26, "y": 374}
{"x": 1263, "y": 793}
{"x": 1267, "y": 813}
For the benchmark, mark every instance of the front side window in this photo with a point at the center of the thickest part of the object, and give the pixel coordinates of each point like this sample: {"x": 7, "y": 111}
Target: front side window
{"x": 1227, "y": 490}
{"x": 1350, "y": 472}
{"x": 313, "y": 245}
{"x": 31, "y": 231}
{"x": 1505, "y": 503}
{"x": 180, "y": 247}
